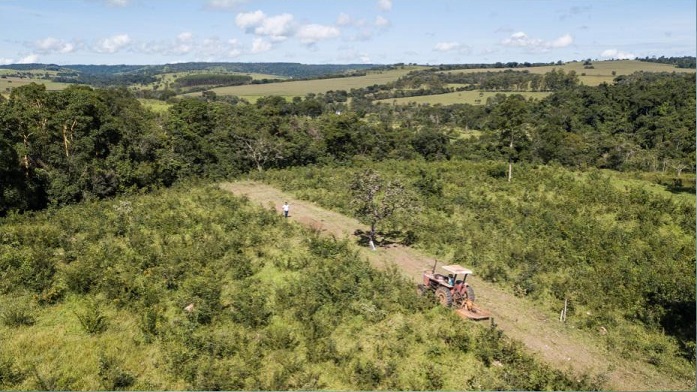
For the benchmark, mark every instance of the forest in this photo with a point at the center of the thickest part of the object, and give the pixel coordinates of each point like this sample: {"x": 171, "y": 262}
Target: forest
{"x": 111, "y": 226}
{"x": 81, "y": 143}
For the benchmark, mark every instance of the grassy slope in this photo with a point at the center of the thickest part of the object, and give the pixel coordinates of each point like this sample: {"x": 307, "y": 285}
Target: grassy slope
{"x": 269, "y": 313}
{"x": 484, "y": 222}
{"x": 602, "y": 72}
{"x": 562, "y": 346}
{"x": 303, "y": 87}
{"x": 471, "y": 97}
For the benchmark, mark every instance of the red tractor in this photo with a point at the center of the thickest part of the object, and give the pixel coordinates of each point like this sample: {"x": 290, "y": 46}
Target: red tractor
{"x": 453, "y": 289}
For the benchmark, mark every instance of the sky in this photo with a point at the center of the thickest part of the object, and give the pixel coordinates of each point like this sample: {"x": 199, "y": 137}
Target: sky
{"x": 342, "y": 31}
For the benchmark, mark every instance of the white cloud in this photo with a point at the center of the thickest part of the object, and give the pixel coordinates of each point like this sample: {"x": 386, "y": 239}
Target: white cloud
{"x": 562, "y": 42}
{"x": 32, "y": 58}
{"x": 249, "y": 20}
{"x": 381, "y": 22}
{"x": 520, "y": 39}
{"x": 277, "y": 27}
{"x": 311, "y": 33}
{"x": 260, "y": 45}
{"x": 616, "y": 54}
{"x": 113, "y": 44}
{"x": 446, "y": 46}
{"x": 53, "y": 45}
{"x": 233, "y": 51}
{"x": 223, "y": 4}
{"x": 186, "y": 43}
{"x": 343, "y": 19}
{"x": 185, "y": 37}
{"x": 4, "y": 61}
{"x": 385, "y": 5}
{"x": 118, "y": 3}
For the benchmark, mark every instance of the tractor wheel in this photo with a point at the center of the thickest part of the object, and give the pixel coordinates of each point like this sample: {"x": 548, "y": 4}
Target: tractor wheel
{"x": 420, "y": 290}
{"x": 444, "y": 297}
{"x": 470, "y": 293}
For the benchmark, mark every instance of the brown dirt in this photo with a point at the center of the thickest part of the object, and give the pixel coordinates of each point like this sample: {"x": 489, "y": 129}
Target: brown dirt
{"x": 555, "y": 343}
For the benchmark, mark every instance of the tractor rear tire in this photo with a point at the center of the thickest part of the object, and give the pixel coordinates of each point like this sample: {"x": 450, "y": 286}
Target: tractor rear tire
{"x": 444, "y": 296}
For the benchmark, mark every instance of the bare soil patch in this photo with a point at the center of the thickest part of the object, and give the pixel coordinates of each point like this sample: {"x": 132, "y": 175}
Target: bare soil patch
{"x": 553, "y": 342}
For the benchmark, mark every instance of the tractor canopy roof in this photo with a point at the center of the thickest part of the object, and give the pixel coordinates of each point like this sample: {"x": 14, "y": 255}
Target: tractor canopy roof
{"x": 457, "y": 269}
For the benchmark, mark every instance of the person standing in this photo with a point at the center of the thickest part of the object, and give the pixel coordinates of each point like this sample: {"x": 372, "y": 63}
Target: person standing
{"x": 286, "y": 208}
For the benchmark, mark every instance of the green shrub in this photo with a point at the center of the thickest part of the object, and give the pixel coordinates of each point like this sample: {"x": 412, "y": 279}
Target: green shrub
{"x": 10, "y": 375}
{"x": 92, "y": 318}
{"x": 249, "y": 304}
{"x": 112, "y": 377}
{"x": 149, "y": 323}
{"x": 17, "y": 313}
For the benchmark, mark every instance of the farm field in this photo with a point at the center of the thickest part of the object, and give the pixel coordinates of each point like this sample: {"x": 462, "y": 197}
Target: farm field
{"x": 7, "y": 84}
{"x": 301, "y": 88}
{"x": 169, "y": 78}
{"x": 601, "y": 71}
{"x": 474, "y": 97}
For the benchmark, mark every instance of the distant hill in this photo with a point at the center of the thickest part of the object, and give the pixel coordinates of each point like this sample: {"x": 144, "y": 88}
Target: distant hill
{"x": 291, "y": 70}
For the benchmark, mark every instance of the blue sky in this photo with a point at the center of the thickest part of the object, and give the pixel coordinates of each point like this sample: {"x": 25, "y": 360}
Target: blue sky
{"x": 342, "y": 31}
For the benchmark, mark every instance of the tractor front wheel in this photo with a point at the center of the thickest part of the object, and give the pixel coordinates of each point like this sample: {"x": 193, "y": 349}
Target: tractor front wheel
{"x": 470, "y": 293}
{"x": 444, "y": 296}
{"x": 420, "y": 289}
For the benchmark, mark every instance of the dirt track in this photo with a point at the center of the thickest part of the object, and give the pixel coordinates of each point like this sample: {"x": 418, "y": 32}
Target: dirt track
{"x": 552, "y": 341}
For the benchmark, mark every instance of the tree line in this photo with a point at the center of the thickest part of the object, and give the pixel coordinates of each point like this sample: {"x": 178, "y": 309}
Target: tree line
{"x": 83, "y": 143}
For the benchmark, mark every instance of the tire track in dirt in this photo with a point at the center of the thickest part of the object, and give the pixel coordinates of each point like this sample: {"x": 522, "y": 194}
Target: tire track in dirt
{"x": 555, "y": 343}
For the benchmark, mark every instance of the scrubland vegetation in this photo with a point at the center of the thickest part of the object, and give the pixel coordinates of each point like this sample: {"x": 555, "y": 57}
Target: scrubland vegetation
{"x": 622, "y": 254}
{"x": 584, "y": 196}
{"x": 94, "y": 297}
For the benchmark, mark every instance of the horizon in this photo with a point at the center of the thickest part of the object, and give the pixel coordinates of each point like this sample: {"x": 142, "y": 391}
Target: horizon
{"x": 310, "y": 64}
{"x": 379, "y": 32}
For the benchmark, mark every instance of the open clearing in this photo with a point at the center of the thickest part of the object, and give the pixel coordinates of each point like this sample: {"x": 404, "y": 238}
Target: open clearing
{"x": 601, "y": 71}
{"x": 300, "y": 88}
{"x": 475, "y": 97}
{"x": 553, "y": 342}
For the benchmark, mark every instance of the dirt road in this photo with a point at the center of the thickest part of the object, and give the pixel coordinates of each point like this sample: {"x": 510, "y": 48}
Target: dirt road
{"x": 554, "y": 342}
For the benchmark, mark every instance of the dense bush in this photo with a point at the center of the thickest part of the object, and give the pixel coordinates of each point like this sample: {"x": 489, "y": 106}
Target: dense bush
{"x": 182, "y": 289}
{"x": 620, "y": 251}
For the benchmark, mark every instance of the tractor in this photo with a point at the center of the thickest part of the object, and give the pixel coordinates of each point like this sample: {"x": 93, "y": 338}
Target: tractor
{"x": 452, "y": 289}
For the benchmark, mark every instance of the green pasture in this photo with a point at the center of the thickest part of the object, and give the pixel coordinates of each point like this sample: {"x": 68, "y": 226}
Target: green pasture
{"x": 10, "y": 82}
{"x": 301, "y": 88}
{"x": 601, "y": 71}
{"x": 475, "y": 97}
{"x": 155, "y": 105}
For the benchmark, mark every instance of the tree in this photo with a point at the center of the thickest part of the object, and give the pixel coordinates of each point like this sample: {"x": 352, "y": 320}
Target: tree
{"x": 374, "y": 199}
{"x": 432, "y": 145}
{"x": 511, "y": 116}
